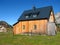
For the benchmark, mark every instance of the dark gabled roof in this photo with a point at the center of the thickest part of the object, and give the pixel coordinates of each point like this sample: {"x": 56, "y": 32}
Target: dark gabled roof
{"x": 42, "y": 13}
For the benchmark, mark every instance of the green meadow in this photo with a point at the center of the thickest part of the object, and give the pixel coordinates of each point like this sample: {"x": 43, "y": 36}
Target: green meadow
{"x": 10, "y": 39}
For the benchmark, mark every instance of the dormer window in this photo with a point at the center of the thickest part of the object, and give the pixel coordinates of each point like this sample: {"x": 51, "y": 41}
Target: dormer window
{"x": 27, "y": 16}
{"x": 35, "y": 15}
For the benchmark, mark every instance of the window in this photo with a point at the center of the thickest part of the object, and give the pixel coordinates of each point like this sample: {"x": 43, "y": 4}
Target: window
{"x": 35, "y": 27}
{"x": 34, "y": 15}
{"x": 23, "y": 26}
{"x": 51, "y": 12}
{"x": 27, "y": 16}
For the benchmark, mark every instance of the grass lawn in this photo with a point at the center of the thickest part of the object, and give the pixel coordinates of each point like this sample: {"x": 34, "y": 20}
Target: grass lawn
{"x": 9, "y": 39}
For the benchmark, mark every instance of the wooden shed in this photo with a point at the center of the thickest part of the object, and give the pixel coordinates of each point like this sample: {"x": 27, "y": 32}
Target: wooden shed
{"x": 34, "y": 21}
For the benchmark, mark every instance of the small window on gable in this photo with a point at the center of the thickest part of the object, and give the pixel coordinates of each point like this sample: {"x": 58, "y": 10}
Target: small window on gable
{"x": 27, "y": 16}
{"x": 51, "y": 13}
{"x": 35, "y": 15}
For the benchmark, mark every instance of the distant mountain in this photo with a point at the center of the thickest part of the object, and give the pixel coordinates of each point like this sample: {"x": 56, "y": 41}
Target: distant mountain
{"x": 57, "y": 17}
{"x": 5, "y": 24}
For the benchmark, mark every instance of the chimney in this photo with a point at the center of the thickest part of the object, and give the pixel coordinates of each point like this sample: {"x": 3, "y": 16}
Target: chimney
{"x": 34, "y": 8}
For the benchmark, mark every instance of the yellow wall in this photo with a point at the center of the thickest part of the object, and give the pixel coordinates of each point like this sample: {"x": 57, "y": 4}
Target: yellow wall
{"x": 17, "y": 29}
{"x": 29, "y": 26}
{"x": 41, "y": 25}
{"x": 14, "y": 29}
{"x": 20, "y": 26}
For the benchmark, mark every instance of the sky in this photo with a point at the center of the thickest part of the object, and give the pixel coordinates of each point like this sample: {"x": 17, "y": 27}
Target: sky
{"x": 11, "y": 10}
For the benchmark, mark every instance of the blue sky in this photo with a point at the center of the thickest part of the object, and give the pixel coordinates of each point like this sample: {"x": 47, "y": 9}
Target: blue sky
{"x": 10, "y": 10}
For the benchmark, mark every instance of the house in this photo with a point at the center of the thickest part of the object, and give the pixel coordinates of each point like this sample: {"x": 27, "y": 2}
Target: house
{"x": 35, "y": 20}
{"x": 2, "y": 28}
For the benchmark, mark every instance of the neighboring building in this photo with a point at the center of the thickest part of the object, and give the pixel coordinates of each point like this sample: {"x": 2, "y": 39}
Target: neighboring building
{"x": 2, "y": 28}
{"x": 34, "y": 21}
{"x": 57, "y": 17}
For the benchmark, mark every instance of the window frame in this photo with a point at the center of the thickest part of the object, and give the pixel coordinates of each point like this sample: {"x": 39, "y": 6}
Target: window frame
{"x": 35, "y": 27}
{"x": 23, "y": 27}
